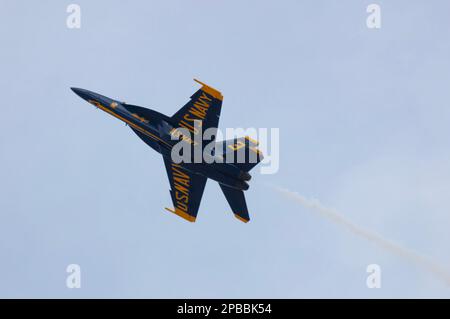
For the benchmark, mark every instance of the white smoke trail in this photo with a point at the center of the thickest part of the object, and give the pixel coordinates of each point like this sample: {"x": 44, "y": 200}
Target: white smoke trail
{"x": 389, "y": 245}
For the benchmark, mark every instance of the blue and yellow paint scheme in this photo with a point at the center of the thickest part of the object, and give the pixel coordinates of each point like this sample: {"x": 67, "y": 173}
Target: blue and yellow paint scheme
{"x": 188, "y": 179}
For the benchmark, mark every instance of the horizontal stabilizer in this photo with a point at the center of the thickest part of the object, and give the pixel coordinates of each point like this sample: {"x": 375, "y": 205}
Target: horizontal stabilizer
{"x": 236, "y": 199}
{"x": 186, "y": 190}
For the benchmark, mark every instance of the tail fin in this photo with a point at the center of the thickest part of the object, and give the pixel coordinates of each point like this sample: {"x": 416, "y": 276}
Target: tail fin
{"x": 242, "y": 152}
{"x": 236, "y": 199}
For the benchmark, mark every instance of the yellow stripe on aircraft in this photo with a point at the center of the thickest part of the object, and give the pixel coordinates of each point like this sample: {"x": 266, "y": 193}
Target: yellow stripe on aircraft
{"x": 241, "y": 219}
{"x": 181, "y": 214}
{"x": 128, "y": 122}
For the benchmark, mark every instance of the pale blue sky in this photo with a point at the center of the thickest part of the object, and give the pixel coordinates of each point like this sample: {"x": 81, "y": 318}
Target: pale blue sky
{"x": 363, "y": 117}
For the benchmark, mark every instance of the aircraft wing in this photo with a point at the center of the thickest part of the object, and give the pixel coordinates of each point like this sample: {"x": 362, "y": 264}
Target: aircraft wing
{"x": 186, "y": 190}
{"x": 204, "y": 106}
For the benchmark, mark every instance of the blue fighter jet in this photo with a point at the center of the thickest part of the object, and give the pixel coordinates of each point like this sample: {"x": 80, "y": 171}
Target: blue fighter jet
{"x": 227, "y": 162}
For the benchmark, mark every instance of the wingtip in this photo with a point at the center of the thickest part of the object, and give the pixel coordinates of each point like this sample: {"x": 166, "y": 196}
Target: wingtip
{"x": 241, "y": 218}
{"x": 199, "y": 82}
{"x": 210, "y": 90}
{"x": 181, "y": 214}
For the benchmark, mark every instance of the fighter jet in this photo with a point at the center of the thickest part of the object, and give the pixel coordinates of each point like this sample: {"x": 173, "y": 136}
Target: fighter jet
{"x": 227, "y": 162}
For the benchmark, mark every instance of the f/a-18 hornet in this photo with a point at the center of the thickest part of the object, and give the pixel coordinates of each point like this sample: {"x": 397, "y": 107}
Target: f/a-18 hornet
{"x": 227, "y": 162}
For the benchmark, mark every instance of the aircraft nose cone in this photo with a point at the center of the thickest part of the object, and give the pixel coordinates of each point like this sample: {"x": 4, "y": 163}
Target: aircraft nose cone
{"x": 84, "y": 94}
{"x": 94, "y": 98}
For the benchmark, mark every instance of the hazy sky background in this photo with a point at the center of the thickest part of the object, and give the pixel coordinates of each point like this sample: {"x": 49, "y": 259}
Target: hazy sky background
{"x": 364, "y": 126}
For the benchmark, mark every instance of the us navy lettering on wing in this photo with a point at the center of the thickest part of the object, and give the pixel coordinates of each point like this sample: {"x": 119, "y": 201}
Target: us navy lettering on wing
{"x": 181, "y": 183}
{"x": 198, "y": 111}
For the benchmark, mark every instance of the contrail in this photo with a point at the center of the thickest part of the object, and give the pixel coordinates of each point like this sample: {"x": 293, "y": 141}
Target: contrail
{"x": 336, "y": 217}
